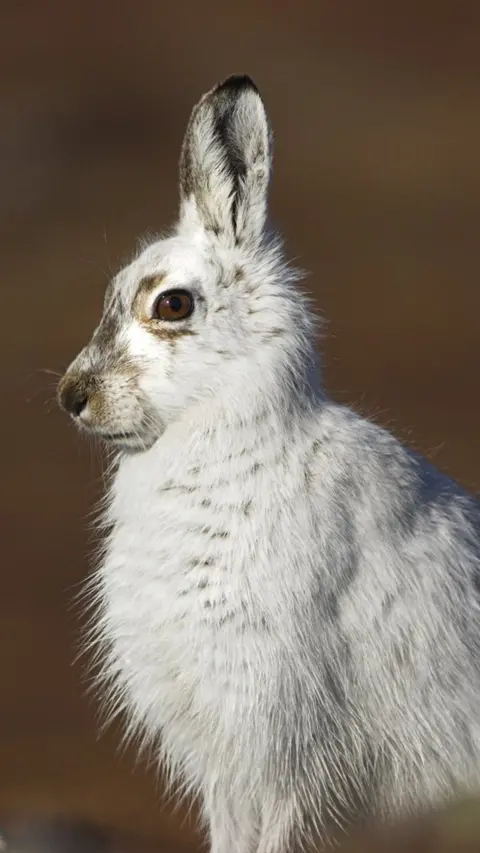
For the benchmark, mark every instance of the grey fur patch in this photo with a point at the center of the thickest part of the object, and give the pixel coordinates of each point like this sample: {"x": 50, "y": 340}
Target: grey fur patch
{"x": 105, "y": 334}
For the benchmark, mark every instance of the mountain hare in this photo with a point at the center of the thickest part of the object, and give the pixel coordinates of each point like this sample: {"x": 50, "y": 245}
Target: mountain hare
{"x": 288, "y": 599}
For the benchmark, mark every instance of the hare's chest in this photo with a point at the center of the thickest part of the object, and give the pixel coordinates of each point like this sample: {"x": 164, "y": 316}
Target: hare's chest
{"x": 179, "y": 611}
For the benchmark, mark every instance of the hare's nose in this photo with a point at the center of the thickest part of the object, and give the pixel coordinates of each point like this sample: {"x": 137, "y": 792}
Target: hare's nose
{"x": 73, "y": 398}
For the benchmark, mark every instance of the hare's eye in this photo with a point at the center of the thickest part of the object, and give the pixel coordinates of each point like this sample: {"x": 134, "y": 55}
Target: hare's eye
{"x": 174, "y": 305}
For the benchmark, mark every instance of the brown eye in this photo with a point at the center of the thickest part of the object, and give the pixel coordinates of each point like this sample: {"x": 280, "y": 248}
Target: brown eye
{"x": 174, "y": 305}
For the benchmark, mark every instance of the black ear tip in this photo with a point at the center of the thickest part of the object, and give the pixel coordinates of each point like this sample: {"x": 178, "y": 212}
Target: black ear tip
{"x": 237, "y": 83}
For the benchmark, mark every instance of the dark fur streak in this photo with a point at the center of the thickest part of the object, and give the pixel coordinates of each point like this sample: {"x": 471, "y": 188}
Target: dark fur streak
{"x": 204, "y": 564}
{"x": 273, "y": 334}
{"x": 308, "y": 476}
{"x": 227, "y": 617}
{"x": 170, "y": 486}
{"x": 387, "y": 603}
{"x": 246, "y": 507}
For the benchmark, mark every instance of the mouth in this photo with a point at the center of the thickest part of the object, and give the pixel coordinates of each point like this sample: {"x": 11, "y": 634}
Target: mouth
{"x": 133, "y": 441}
{"x": 142, "y": 437}
{"x": 117, "y": 436}
{"x": 123, "y": 440}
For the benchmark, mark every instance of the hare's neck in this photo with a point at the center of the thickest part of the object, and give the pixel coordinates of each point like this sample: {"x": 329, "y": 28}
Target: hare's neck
{"x": 244, "y": 416}
{"x": 223, "y": 434}
{"x": 208, "y": 448}
{"x": 274, "y": 395}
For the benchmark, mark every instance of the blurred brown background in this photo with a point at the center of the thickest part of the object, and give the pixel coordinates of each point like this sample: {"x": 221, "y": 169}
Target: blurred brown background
{"x": 376, "y": 110}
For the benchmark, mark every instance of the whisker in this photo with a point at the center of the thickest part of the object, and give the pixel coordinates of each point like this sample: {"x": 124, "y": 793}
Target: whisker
{"x": 50, "y": 372}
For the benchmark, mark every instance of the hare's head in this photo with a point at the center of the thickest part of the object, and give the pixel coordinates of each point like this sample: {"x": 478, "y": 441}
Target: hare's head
{"x": 209, "y": 312}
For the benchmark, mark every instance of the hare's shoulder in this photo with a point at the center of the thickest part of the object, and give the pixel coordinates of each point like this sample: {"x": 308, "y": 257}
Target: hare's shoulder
{"x": 361, "y": 465}
{"x": 385, "y": 493}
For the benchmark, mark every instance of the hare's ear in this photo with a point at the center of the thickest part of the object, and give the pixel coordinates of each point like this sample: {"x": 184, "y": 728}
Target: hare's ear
{"x": 225, "y": 161}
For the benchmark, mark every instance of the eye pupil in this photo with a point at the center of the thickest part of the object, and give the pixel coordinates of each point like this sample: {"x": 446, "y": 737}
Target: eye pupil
{"x": 176, "y": 303}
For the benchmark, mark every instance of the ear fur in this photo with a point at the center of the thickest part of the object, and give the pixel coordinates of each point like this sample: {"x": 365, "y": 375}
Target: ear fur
{"x": 226, "y": 159}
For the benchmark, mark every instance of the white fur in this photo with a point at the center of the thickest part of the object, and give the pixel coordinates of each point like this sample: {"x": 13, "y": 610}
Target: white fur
{"x": 288, "y": 604}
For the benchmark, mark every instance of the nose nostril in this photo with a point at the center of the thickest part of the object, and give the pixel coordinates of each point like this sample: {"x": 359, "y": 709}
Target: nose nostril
{"x": 73, "y": 400}
{"x": 78, "y": 405}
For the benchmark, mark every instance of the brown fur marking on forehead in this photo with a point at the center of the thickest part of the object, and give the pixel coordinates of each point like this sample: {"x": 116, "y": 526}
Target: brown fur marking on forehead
{"x": 147, "y": 284}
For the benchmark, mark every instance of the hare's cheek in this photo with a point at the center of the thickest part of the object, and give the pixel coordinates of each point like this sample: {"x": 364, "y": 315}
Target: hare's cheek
{"x": 145, "y": 349}
{"x": 153, "y": 358}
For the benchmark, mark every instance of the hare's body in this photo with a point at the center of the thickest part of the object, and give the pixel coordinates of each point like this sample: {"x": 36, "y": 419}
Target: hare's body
{"x": 292, "y": 607}
{"x": 289, "y": 599}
